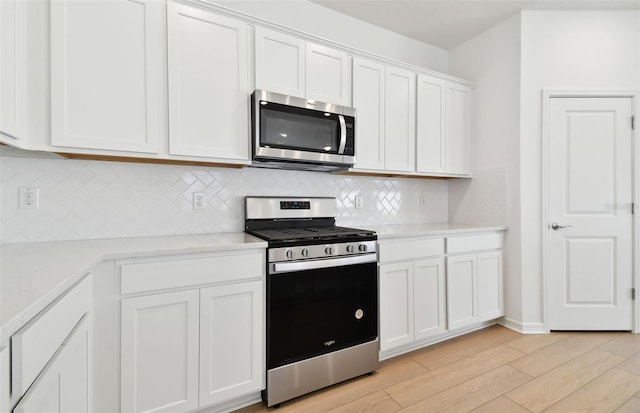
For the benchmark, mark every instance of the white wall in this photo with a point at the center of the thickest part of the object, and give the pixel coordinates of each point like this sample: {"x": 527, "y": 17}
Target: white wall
{"x": 591, "y": 50}
{"x": 492, "y": 197}
{"x": 95, "y": 199}
{"x": 512, "y": 64}
{"x": 311, "y": 18}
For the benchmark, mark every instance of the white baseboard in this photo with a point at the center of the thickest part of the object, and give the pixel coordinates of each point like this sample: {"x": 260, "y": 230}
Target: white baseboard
{"x": 523, "y": 328}
{"x": 232, "y": 405}
{"x": 384, "y": 355}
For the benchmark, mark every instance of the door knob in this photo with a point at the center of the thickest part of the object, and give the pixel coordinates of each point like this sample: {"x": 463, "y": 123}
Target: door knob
{"x": 555, "y": 226}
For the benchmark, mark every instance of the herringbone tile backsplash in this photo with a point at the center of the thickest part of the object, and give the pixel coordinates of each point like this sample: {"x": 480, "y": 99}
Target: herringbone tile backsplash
{"x": 95, "y": 199}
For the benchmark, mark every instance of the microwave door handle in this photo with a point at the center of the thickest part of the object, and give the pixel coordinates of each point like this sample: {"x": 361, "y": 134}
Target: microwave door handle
{"x": 343, "y": 135}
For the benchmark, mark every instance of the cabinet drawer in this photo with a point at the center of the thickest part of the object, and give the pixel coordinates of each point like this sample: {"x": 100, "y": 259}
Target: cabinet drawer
{"x": 34, "y": 344}
{"x": 469, "y": 243}
{"x": 410, "y": 249}
{"x": 188, "y": 272}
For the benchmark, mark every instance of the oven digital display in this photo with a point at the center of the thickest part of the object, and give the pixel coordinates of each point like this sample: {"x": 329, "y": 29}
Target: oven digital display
{"x": 295, "y": 205}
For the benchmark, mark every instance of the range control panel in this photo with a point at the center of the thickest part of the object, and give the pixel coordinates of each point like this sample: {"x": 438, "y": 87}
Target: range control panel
{"x": 295, "y": 205}
{"x": 308, "y": 252}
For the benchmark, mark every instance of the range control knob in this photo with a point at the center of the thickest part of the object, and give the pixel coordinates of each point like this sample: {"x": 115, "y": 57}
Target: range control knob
{"x": 328, "y": 250}
{"x": 290, "y": 254}
{"x": 362, "y": 248}
{"x": 305, "y": 252}
{"x": 351, "y": 248}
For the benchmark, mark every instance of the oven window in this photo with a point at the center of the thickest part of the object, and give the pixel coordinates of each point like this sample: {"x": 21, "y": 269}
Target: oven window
{"x": 319, "y": 311}
{"x": 286, "y": 127}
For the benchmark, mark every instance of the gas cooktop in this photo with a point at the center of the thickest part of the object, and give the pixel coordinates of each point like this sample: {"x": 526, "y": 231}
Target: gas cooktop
{"x": 310, "y": 233}
{"x": 289, "y": 221}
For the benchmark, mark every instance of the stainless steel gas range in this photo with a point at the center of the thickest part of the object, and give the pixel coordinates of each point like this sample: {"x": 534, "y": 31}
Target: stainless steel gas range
{"x": 322, "y": 295}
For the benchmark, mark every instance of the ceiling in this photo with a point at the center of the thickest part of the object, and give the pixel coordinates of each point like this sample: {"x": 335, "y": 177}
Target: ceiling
{"x": 448, "y": 23}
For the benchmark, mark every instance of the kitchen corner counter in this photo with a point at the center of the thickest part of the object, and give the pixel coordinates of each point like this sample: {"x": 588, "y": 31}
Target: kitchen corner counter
{"x": 32, "y": 275}
{"x": 429, "y": 230}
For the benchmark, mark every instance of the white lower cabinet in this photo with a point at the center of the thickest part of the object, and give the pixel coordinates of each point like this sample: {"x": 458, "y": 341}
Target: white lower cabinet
{"x": 412, "y": 292}
{"x": 429, "y": 297}
{"x": 230, "y": 341}
{"x": 160, "y": 352}
{"x": 474, "y": 280}
{"x": 423, "y": 301}
{"x": 5, "y": 379}
{"x": 490, "y": 285}
{"x": 462, "y": 306}
{"x": 196, "y": 347}
{"x": 396, "y": 305}
{"x": 65, "y": 383}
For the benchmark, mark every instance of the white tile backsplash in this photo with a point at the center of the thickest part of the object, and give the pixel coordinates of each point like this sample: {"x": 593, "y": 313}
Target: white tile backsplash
{"x": 481, "y": 200}
{"x": 95, "y": 199}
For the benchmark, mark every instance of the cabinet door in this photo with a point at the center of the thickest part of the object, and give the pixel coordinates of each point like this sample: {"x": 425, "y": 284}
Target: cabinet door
{"x": 430, "y": 118}
{"x": 490, "y": 285}
{"x": 368, "y": 99}
{"x": 328, "y": 75}
{"x": 457, "y": 113}
{"x": 396, "y": 305}
{"x": 159, "y": 355}
{"x": 280, "y": 62}
{"x": 44, "y": 395}
{"x": 429, "y": 297}
{"x": 65, "y": 383}
{"x": 13, "y": 69}
{"x": 461, "y": 290}
{"x": 208, "y": 84}
{"x": 75, "y": 371}
{"x": 108, "y": 79}
{"x": 399, "y": 119}
{"x": 231, "y": 341}
{"x": 5, "y": 379}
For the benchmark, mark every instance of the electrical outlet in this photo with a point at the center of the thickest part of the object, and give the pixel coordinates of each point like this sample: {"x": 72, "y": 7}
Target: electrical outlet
{"x": 359, "y": 202}
{"x": 199, "y": 202}
{"x": 421, "y": 200}
{"x": 29, "y": 197}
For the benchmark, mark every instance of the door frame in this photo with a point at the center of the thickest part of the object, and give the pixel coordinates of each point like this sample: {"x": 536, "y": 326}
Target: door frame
{"x": 547, "y": 95}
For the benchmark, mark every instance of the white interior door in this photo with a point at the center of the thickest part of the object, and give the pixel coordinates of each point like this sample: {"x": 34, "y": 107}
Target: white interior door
{"x": 590, "y": 218}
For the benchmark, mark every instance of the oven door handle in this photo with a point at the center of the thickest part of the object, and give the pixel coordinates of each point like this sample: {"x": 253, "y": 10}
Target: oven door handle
{"x": 280, "y": 267}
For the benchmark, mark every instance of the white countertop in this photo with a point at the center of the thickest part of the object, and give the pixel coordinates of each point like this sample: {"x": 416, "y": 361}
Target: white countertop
{"x": 426, "y": 230}
{"x": 32, "y": 275}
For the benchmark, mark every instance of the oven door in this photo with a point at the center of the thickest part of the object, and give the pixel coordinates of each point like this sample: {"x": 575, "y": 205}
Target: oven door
{"x": 320, "y": 309}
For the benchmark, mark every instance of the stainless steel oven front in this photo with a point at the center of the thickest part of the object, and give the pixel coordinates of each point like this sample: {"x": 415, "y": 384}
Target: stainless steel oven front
{"x": 322, "y": 322}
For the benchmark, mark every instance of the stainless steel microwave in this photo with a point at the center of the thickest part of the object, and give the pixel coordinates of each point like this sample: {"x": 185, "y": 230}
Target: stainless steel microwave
{"x": 293, "y": 133}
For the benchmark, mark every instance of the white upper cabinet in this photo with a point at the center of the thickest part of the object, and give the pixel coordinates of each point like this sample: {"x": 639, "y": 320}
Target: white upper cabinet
{"x": 400, "y": 120}
{"x": 328, "y": 75}
{"x": 108, "y": 74}
{"x": 13, "y": 71}
{"x": 292, "y": 66}
{"x": 430, "y": 145}
{"x": 368, "y": 99}
{"x": 280, "y": 62}
{"x": 442, "y": 127}
{"x": 457, "y": 129}
{"x": 208, "y": 84}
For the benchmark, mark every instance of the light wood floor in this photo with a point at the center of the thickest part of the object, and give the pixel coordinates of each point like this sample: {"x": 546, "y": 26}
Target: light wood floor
{"x": 494, "y": 370}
